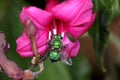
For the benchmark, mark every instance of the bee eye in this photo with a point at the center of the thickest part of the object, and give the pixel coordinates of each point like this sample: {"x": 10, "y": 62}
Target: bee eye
{"x": 57, "y": 37}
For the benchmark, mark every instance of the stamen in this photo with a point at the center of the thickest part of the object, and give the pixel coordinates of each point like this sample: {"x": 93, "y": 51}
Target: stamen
{"x": 54, "y": 31}
{"x": 55, "y": 28}
{"x": 63, "y": 33}
{"x": 50, "y": 33}
{"x": 62, "y": 30}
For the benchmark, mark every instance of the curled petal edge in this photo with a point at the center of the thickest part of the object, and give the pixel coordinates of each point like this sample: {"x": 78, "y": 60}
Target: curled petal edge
{"x": 72, "y": 48}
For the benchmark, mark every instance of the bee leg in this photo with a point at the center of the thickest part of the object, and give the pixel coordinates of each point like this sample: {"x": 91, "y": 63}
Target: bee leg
{"x": 64, "y": 47}
{"x": 49, "y": 43}
{"x": 43, "y": 58}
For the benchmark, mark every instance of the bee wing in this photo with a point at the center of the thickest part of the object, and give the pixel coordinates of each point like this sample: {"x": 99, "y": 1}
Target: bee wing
{"x": 65, "y": 58}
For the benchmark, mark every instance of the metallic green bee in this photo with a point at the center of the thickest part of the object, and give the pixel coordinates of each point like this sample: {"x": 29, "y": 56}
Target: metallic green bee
{"x": 55, "y": 45}
{"x": 57, "y": 51}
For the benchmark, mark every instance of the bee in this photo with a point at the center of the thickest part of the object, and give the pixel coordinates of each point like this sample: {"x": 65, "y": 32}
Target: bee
{"x": 57, "y": 50}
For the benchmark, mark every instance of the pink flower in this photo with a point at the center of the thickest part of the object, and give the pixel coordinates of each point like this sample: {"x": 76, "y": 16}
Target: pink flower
{"x": 72, "y": 16}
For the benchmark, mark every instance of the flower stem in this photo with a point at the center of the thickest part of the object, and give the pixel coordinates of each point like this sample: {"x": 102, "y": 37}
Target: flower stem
{"x": 37, "y": 59}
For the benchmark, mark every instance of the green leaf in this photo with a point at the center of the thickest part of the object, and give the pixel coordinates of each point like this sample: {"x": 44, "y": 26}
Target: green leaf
{"x": 55, "y": 71}
{"x": 99, "y": 31}
{"x": 111, "y": 6}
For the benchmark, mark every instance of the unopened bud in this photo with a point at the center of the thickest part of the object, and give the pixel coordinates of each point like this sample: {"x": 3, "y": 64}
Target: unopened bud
{"x": 30, "y": 29}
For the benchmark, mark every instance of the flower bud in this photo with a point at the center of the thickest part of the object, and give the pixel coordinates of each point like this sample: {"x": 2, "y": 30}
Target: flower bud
{"x": 30, "y": 29}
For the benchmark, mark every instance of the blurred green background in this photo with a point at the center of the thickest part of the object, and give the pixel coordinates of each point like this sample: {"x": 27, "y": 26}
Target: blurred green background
{"x": 99, "y": 56}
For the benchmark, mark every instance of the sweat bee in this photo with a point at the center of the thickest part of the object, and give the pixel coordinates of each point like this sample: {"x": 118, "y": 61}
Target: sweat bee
{"x": 57, "y": 50}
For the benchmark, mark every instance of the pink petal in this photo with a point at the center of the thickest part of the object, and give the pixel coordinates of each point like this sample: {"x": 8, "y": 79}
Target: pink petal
{"x": 74, "y": 12}
{"x": 72, "y": 48}
{"x": 77, "y": 31}
{"x": 40, "y": 18}
{"x": 50, "y": 4}
{"x": 24, "y": 47}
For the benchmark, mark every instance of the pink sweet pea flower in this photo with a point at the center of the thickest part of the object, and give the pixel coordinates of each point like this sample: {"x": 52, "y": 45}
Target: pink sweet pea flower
{"x": 72, "y": 16}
